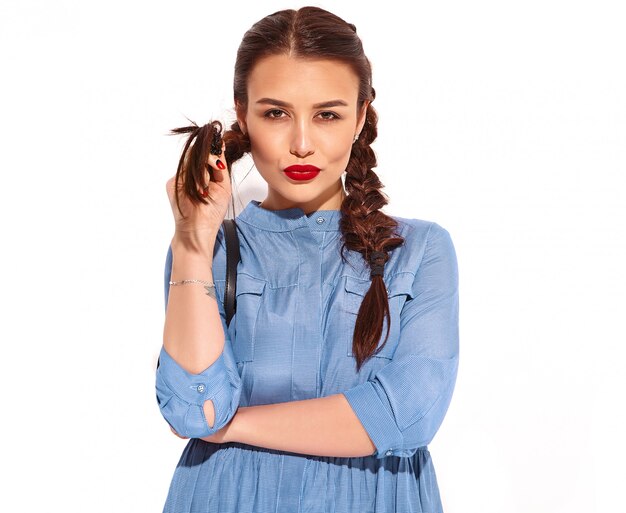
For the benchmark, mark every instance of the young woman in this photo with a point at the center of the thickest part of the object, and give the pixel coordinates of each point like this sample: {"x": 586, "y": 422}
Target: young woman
{"x": 340, "y": 361}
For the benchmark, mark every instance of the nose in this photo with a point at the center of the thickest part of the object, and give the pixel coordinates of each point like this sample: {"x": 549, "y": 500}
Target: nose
{"x": 302, "y": 141}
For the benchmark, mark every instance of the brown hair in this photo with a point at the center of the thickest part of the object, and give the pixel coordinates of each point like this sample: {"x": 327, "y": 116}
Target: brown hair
{"x": 312, "y": 32}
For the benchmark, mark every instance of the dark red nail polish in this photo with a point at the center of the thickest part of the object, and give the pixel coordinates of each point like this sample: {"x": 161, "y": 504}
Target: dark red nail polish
{"x": 220, "y": 164}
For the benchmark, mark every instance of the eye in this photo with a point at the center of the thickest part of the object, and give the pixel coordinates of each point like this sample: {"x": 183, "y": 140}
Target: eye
{"x": 269, "y": 113}
{"x": 332, "y": 117}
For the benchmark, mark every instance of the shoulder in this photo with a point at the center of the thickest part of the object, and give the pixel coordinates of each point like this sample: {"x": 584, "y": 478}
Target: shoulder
{"x": 423, "y": 240}
{"x": 419, "y": 229}
{"x": 420, "y": 233}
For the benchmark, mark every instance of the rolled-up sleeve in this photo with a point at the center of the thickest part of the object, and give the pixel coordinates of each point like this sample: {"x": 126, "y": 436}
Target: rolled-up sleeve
{"x": 403, "y": 405}
{"x": 181, "y": 395}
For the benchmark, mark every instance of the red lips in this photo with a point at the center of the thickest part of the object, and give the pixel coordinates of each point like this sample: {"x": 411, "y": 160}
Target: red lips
{"x": 302, "y": 172}
{"x": 299, "y": 168}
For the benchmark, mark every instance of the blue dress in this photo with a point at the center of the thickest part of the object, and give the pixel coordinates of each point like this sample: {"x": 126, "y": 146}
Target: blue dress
{"x": 291, "y": 339}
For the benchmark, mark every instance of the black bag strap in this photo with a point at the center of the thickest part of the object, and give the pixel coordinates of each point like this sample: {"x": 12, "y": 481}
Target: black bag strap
{"x": 232, "y": 259}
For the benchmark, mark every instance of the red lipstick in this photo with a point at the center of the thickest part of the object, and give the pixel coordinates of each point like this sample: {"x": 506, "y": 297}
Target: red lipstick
{"x": 305, "y": 172}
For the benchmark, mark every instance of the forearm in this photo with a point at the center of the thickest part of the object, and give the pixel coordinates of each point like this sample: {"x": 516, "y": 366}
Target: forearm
{"x": 193, "y": 333}
{"x": 326, "y": 426}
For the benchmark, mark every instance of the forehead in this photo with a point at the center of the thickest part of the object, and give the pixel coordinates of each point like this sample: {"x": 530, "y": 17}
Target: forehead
{"x": 302, "y": 81}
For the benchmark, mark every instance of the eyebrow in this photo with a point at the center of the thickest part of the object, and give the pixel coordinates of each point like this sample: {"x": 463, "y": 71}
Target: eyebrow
{"x": 323, "y": 105}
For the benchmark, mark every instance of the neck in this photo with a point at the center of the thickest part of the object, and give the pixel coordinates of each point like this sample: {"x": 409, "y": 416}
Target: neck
{"x": 309, "y": 207}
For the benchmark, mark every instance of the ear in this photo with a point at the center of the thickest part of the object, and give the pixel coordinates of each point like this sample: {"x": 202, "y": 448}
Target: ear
{"x": 240, "y": 111}
{"x": 362, "y": 115}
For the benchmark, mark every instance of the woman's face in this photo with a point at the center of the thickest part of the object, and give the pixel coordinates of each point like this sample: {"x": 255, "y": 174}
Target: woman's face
{"x": 302, "y": 112}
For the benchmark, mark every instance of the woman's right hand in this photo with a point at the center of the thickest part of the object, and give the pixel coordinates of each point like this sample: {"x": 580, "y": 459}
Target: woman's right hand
{"x": 197, "y": 227}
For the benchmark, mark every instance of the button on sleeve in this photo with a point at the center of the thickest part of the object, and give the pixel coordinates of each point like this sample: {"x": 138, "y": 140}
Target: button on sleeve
{"x": 181, "y": 395}
{"x": 403, "y": 405}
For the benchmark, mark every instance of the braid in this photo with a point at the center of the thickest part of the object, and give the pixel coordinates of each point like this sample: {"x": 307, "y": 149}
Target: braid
{"x": 369, "y": 231}
{"x": 237, "y": 144}
{"x": 312, "y": 32}
{"x": 192, "y": 164}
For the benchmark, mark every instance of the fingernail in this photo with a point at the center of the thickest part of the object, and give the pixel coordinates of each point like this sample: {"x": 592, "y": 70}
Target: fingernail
{"x": 219, "y": 164}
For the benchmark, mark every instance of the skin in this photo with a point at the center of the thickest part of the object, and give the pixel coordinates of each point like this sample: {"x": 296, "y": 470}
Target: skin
{"x": 301, "y": 134}
{"x": 281, "y": 136}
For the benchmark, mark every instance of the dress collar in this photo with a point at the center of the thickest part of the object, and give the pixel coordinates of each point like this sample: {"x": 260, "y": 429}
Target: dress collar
{"x": 288, "y": 219}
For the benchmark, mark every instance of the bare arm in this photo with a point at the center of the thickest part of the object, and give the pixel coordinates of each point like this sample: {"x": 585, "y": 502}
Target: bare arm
{"x": 195, "y": 368}
{"x": 326, "y": 426}
{"x": 193, "y": 335}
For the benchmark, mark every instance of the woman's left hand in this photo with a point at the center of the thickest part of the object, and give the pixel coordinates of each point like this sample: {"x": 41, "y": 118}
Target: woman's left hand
{"x": 222, "y": 436}
{"x": 219, "y": 437}
{"x": 179, "y": 436}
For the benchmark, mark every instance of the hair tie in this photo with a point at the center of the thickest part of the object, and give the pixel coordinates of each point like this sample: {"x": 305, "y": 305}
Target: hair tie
{"x": 377, "y": 263}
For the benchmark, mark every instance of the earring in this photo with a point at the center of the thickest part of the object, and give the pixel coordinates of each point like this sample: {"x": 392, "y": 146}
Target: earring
{"x": 356, "y": 138}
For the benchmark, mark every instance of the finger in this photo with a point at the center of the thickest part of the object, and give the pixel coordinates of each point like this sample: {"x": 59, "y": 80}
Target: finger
{"x": 179, "y": 436}
{"x": 217, "y": 165}
{"x": 215, "y": 174}
{"x": 204, "y": 191}
{"x": 169, "y": 185}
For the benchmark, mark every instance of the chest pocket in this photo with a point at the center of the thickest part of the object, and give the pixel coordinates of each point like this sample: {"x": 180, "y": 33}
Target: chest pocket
{"x": 249, "y": 295}
{"x": 398, "y": 291}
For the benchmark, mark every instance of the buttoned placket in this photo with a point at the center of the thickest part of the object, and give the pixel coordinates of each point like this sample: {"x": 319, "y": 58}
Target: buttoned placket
{"x": 306, "y": 342}
{"x": 308, "y": 337}
{"x": 310, "y": 234}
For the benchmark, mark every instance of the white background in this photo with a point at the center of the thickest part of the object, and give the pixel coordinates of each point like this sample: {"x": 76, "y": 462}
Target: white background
{"x": 505, "y": 122}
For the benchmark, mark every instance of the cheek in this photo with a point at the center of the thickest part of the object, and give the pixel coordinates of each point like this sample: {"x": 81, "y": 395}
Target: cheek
{"x": 265, "y": 148}
{"x": 338, "y": 150}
